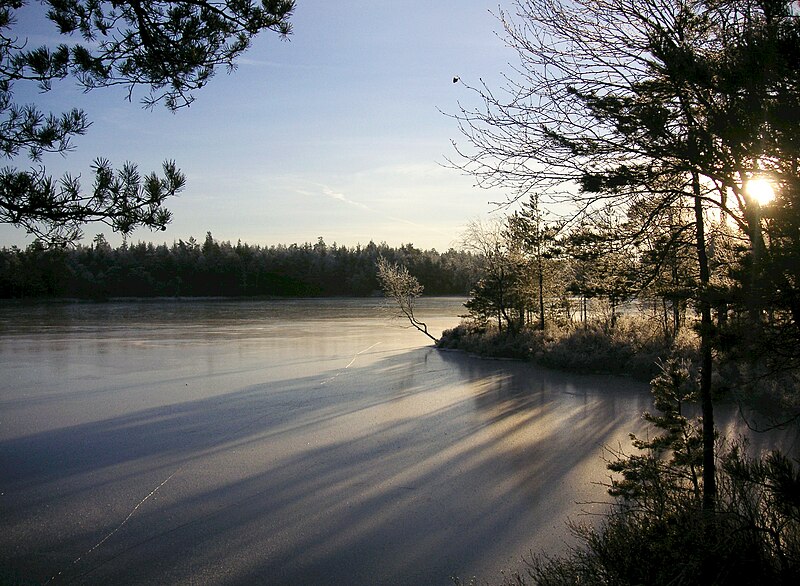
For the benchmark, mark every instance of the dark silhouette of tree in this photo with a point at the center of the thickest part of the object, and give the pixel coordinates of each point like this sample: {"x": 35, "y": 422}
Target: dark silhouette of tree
{"x": 169, "y": 49}
{"x": 213, "y": 268}
{"x": 602, "y": 263}
{"x": 666, "y": 265}
{"x": 628, "y": 101}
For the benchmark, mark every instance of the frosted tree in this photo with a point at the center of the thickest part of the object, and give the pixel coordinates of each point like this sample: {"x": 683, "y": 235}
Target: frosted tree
{"x": 404, "y": 288}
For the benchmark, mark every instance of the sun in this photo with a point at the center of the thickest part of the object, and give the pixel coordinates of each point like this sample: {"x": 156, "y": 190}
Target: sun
{"x": 760, "y": 190}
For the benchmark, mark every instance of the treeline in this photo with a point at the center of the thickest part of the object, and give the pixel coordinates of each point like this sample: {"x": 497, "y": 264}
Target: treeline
{"x": 211, "y": 268}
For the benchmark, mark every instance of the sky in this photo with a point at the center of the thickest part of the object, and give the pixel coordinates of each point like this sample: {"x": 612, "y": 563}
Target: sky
{"x": 339, "y": 132}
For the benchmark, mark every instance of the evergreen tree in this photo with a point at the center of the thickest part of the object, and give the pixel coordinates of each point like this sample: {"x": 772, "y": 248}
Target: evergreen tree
{"x": 168, "y": 48}
{"x": 537, "y": 240}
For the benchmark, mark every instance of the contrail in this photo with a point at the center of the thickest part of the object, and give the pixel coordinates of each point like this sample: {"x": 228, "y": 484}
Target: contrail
{"x": 330, "y": 193}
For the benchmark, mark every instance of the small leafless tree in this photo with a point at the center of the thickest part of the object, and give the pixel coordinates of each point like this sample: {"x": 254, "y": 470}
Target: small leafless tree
{"x": 398, "y": 284}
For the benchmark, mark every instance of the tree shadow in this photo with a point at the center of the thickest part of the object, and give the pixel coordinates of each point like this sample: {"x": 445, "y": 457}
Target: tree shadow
{"x": 412, "y": 468}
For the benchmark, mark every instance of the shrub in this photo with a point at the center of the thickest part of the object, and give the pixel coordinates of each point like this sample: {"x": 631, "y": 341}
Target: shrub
{"x": 657, "y": 531}
{"x": 631, "y": 348}
{"x": 753, "y": 538}
{"x": 487, "y": 340}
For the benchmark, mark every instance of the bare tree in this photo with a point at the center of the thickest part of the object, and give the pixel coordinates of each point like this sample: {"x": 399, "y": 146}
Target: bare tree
{"x": 403, "y": 287}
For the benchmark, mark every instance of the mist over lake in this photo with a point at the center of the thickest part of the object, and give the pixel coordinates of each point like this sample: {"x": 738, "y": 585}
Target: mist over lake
{"x": 301, "y": 441}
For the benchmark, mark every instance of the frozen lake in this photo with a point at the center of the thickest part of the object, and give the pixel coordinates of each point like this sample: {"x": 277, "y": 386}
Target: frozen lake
{"x": 284, "y": 442}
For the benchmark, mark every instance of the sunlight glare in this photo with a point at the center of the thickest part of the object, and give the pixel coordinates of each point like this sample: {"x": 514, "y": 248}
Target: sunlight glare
{"x": 760, "y": 190}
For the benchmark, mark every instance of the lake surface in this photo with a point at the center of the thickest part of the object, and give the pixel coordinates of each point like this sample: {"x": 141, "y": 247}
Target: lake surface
{"x": 284, "y": 442}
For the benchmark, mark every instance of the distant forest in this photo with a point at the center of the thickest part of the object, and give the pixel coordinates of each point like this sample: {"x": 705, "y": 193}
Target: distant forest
{"x": 211, "y": 268}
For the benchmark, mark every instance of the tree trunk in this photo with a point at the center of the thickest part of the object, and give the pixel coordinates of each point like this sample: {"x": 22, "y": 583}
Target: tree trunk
{"x": 541, "y": 296}
{"x": 753, "y": 217}
{"x": 706, "y": 332}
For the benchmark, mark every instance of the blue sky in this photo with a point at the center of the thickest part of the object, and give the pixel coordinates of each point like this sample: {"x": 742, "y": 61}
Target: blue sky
{"x": 335, "y": 133}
